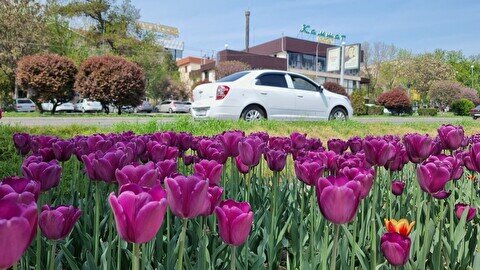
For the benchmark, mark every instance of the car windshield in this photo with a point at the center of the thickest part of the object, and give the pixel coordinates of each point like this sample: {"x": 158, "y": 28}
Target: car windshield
{"x": 233, "y": 77}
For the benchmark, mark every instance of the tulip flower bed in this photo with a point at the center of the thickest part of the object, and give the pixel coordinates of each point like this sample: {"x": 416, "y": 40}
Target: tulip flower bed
{"x": 171, "y": 200}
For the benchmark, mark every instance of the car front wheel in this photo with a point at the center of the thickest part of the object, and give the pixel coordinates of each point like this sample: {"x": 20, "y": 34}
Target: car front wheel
{"x": 338, "y": 114}
{"x": 253, "y": 113}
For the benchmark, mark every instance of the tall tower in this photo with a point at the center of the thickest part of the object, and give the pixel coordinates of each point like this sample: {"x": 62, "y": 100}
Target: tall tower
{"x": 247, "y": 30}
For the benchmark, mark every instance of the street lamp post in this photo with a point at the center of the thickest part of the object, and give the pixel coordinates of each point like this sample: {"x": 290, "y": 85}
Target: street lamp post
{"x": 342, "y": 58}
{"x": 471, "y": 67}
{"x": 316, "y": 60}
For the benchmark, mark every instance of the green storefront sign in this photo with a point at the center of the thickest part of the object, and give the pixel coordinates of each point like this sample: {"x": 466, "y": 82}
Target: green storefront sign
{"x": 308, "y": 30}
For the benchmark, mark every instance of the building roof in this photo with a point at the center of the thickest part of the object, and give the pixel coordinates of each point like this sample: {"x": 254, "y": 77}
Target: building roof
{"x": 290, "y": 44}
{"x": 193, "y": 60}
{"x": 255, "y": 61}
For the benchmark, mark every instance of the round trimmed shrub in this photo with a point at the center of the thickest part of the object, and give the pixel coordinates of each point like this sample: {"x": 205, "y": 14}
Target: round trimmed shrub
{"x": 396, "y": 101}
{"x": 462, "y": 107}
{"x": 335, "y": 88}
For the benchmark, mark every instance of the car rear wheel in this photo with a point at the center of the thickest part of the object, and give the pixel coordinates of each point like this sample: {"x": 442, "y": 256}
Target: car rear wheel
{"x": 475, "y": 117}
{"x": 338, "y": 113}
{"x": 253, "y": 113}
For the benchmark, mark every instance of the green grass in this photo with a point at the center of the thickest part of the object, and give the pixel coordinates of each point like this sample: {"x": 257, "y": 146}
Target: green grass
{"x": 323, "y": 130}
{"x": 78, "y": 114}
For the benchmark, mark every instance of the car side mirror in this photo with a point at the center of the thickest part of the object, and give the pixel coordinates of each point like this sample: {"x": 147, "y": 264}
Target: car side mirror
{"x": 320, "y": 89}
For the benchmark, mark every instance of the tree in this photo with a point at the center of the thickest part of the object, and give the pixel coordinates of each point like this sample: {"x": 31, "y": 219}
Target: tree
{"x": 470, "y": 94}
{"x": 358, "y": 101}
{"x": 423, "y": 70}
{"x": 444, "y": 93}
{"x": 111, "y": 79}
{"x": 22, "y": 32}
{"x": 47, "y": 77}
{"x": 396, "y": 101}
{"x": 113, "y": 26}
{"x": 335, "y": 88}
{"x": 226, "y": 68}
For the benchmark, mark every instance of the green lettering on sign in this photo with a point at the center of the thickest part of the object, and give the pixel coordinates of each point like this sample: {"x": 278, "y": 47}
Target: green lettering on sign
{"x": 308, "y": 30}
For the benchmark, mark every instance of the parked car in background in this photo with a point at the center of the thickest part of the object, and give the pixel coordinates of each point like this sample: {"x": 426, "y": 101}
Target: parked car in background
{"x": 268, "y": 94}
{"x": 144, "y": 107}
{"x": 24, "y": 105}
{"x": 174, "y": 106}
{"x": 86, "y": 105}
{"x": 475, "y": 113}
{"x": 64, "y": 107}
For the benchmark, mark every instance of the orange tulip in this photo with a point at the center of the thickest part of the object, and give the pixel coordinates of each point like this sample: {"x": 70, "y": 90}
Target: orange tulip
{"x": 401, "y": 226}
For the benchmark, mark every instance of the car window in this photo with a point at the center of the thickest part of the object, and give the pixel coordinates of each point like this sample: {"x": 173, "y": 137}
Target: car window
{"x": 277, "y": 80}
{"x": 24, "y": 101}
{"x": 302, "y": 84}
{"x": 233, "y": 77}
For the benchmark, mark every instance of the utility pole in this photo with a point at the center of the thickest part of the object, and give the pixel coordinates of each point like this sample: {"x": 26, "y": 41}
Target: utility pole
{"x": 342, "y": 59}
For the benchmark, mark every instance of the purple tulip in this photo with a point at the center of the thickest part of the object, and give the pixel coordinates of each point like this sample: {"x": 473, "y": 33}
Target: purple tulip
{"x": 276, "y": 159}
{"x": 235, "y": 220}
{"x": 418, "y": 147}
{"x": 212, "y": 150}
{"x": 456, "y": 164}
{"x": 46, "y": 173}
{"x": 22, "y": 143}
{"x": 395, "y": 248}
{"x": 166, "y": 168}
{"x": 242, "y": 168}
{"x": 378, "y": 151}
{"x": 210, "y": 170}
{"x": 41, "y": 141}
{"x": 363, "y": 176}
{"x": 355, "y": 144}
{"x": 138, "y": 212}
{"x": 184, "y": 141}
{"x": 461, "y": 207}
{"x": 451, "y": 136}
{"x": 337, "y": 145}
{"x": 338, "y": 198}
{"x": 308, "y": 171}
{"x": 18, "y": 225}
{"x": 106, "y": 166}
{"x": 280, "y": 143}
{"x": 298, "y": 140}
{"x": 472, "y": 158}
{"x": 159, "y": 152}
{"x": 433, "y": 176}
{"x": 19, "y": 189}
{"x": 329, "y": 158}
{"x": 187, "y": 195}
{"x": 399, "y": 160}
{"x": 57, "y": 223}
{"x": 230, "y": 140}
{"x": 63, "y": 150}
{"x": 143, "y": 175}
{"x": 398, "y": 187}
{"x": 46, "y": 153}
{"x": 250, "y": 150}
{"x": 214, "y": 197}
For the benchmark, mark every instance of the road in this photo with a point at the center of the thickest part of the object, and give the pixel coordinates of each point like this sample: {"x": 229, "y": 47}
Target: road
{"x": 109, "y": 121}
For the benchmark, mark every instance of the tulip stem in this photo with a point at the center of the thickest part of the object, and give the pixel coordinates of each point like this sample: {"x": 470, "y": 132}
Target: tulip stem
{"x": 38, "y": 253}
{"x": 335, "y": 248}
{"x": 52, "y": 255}
{"x": 136, "y": 257}
{"x": 181, "y": 247}
{"x": 374, "y": 221}
{"x": 97, "y": 221}
{"x": 119, "y": 253}
{"x": 233, "y": 262}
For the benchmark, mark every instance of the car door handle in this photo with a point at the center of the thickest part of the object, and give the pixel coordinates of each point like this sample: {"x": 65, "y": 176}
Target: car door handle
{"x": 263, "y": 93}
{"x": 300, "y": 96}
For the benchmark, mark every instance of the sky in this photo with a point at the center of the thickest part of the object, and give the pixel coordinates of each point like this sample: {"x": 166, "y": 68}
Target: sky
{"x": 418, "y": 26}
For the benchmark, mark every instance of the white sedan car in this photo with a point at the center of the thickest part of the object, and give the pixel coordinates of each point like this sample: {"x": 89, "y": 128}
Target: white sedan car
{"x": 86, "y": 105}
{"x": 64, "y": 107}
{"x": 268, "y": 94}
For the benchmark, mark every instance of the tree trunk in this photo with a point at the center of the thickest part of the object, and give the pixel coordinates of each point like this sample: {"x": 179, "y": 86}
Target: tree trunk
{"x": 105, "y": 107}
{"x": 119, "y": 110}
{"x": 54, "y": 108}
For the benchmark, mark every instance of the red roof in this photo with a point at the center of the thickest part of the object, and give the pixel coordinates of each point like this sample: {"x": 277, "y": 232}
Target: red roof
{"x": 193, "y": 60}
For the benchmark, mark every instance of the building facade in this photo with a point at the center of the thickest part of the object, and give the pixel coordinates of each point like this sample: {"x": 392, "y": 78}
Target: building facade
{"x": 193, "y": 69}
